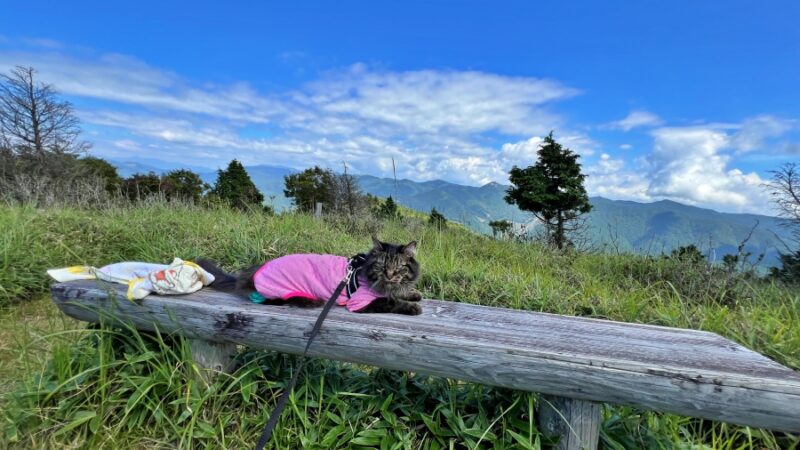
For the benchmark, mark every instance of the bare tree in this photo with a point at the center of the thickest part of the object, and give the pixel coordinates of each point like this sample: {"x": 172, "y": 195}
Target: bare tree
{"x": 785, "y": 191}
{"x": 349, "y": 191}
{"x": 34, "y": 122}
{"x": 39, "y": 142}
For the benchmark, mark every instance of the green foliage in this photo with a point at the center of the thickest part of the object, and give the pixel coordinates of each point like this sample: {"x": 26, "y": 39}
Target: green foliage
{"x": 552, "y": 190}
{"x": 140, "y": 186}
{"x": 65, "y": 386}
{"x": 436, "y": 219}
{"x": 789, "y": 270}
{"x": 183, "y": 184}
{"x": 309, "y": 187}
{"x": 103, "y": 169}
{"x": 689, "y": 254}
{"x": 235, "y": 188}
{"x": 388, "y": 209}
{"x": 501, "y": 228}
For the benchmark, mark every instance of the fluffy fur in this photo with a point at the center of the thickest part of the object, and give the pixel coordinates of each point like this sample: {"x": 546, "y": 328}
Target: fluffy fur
{"x": 390, "y": 269}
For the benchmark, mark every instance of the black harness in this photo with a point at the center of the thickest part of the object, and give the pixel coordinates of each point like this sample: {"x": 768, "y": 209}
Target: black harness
{"x": 356, "y": 264}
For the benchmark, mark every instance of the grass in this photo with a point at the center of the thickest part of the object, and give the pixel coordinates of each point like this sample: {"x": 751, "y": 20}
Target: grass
{"x": 63, "y": 385}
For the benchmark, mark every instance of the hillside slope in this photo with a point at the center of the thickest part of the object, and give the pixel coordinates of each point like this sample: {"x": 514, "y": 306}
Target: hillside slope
{"x": 624, "y": 225}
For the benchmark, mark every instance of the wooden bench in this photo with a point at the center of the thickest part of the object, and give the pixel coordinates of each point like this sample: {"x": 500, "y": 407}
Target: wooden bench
{"x": 576, "y": 362}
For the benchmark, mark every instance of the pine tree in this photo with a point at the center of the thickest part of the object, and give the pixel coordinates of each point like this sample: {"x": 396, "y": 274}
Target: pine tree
{"x": 552, "y": 190}
{"x": 235, "y": 187}
{"x": 437, "y": 219}
{"x": 389, "y": 210}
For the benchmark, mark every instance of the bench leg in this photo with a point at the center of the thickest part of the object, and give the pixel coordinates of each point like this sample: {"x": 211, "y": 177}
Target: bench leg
{"x": 575, "y": 423}
{"x": 212, "y": 357}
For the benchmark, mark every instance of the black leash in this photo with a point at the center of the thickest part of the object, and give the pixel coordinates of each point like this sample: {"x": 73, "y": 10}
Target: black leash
{"x": 276, "y": 413}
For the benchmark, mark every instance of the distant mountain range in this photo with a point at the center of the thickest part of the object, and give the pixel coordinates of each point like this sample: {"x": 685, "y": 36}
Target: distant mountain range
{"x": 629, "y": 226}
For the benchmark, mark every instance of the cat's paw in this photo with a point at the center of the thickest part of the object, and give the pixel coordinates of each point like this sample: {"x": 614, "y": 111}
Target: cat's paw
{"x": 411, "y": 309}
{"x": 414, "y": 296}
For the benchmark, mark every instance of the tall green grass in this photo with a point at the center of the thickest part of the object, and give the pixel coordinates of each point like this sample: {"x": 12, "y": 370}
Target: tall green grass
{"x": 76, "y": 387}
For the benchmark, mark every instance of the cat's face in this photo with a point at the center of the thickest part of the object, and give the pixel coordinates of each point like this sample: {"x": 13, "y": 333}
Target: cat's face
{"x": 391, "y": 264}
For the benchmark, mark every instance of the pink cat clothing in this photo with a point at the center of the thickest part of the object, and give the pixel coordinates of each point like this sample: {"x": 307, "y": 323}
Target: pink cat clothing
{"x": 311, "y": 276}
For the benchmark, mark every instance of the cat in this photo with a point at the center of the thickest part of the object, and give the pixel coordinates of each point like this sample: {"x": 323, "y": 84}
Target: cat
{"x": 384, "y": 280}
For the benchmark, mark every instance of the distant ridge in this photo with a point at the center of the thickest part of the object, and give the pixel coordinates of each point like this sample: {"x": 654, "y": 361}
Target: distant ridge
{"x": 622, "y": 225}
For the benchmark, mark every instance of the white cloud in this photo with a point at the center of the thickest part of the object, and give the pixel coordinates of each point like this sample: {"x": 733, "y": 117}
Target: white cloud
{"x": 524, "y": 153}
{"x": 463, "y": 126}
{"x": 438, "y": 120}
{"x": 610, "y": 178}
{"x": 636, "y": 119}
{"x": 689, "y": 164}
{"x": 755, "y": 131}
{"x": 126, "y": 80}
{"x": 432, "y": 101}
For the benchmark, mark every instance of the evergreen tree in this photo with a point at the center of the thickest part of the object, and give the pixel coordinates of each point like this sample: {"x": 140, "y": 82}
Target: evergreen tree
{"x": 552, "y": 190}
{"x": 235, "y": 187}
{"x": 389, "y": 210}
{"x": 789, "y": 271}
{"x": 437, "y": 219}
{"x": 183, "y": 184}
{"x": 309, "y": 187}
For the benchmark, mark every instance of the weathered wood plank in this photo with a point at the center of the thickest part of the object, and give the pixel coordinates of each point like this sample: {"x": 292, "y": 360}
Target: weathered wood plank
{"x": 212, "y": 357}
{"x": 575, "y": 423}
{"x": 687, "y": 372}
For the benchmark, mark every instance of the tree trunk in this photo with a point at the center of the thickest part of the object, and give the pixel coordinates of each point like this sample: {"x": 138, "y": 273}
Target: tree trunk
{"x": 560, "y": 231}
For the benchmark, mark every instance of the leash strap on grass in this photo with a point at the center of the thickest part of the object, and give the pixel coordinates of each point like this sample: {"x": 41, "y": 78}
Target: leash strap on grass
{"x": 276, "y": 413}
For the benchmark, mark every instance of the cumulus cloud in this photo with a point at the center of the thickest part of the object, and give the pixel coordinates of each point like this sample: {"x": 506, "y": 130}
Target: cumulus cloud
{"x": 610, "y": 177}
{"x": 636, "y": 119}
{"x": 690, "y": 164}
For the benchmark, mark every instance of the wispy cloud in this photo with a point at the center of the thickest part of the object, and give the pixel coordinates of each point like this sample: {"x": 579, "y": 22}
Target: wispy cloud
{"x": 636, "y": 119}
{"x": 754, "y": 132}
{"x": 440, "y": 123}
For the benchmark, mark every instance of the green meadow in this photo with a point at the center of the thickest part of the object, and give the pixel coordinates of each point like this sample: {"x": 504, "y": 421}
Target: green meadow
{"x": 66, "y": 385}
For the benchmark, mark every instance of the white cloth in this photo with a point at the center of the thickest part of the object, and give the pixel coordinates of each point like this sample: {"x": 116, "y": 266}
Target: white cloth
{"x": 179, "y": 277}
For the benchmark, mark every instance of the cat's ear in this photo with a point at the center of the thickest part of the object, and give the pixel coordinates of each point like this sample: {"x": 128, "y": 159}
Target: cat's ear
{"x": 378, "y": 245}
{"x": 410, "y": 249}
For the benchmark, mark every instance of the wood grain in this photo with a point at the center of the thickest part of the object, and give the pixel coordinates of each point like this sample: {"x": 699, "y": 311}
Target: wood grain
{"x": 575, "y": 423}
{"x": 693, "y": 373}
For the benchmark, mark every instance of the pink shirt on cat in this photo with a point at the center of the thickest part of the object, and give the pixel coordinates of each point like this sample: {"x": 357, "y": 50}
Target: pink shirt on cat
{"x": 311, "y": 276}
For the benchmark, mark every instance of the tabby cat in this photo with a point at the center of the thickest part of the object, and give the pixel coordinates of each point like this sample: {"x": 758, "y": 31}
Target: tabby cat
{"x": 384, "y": 280}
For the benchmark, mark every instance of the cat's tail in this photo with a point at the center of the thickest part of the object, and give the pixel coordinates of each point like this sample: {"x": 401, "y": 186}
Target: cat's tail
{"x": 223, "y": 281}
{"x": 241, "y": 284}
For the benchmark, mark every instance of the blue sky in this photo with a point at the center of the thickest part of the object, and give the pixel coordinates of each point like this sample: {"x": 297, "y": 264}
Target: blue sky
{"x": 690, "y": 101}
